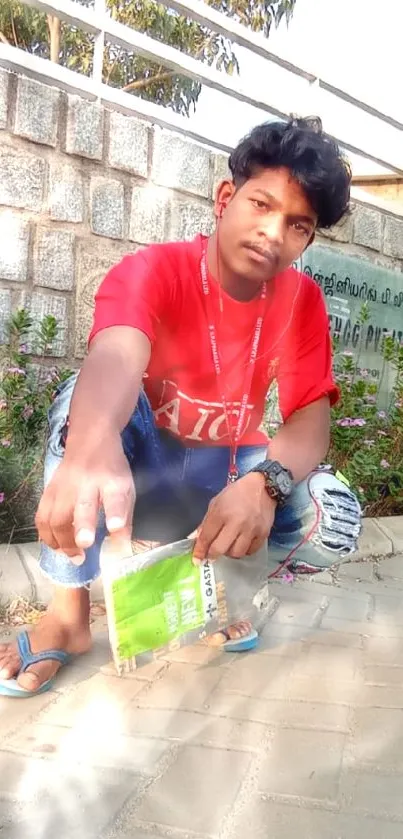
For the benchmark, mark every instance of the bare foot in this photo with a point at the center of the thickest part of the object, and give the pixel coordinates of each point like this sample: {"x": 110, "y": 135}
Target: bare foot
{"x": 65, "y": 626}
{"x": 232, "y": 633}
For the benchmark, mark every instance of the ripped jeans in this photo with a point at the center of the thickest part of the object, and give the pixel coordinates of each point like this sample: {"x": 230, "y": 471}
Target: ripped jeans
{"x": 318, "y": 526}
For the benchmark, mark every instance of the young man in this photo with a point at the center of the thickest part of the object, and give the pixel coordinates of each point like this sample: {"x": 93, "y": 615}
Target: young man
{"x": 165, "y": 417}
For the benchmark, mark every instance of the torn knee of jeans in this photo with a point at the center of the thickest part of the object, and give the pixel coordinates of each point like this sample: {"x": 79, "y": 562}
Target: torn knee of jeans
{"x": 339, "y": 515}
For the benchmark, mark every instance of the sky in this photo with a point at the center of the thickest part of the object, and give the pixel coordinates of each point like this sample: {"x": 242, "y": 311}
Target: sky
{"x": 342, "y": 42}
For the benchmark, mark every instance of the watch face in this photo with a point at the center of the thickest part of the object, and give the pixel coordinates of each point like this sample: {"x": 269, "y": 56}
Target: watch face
{"x": 284, "y": 483}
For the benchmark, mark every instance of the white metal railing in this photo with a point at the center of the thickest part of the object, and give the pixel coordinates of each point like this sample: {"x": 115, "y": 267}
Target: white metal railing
{"x": 378, "y": 137}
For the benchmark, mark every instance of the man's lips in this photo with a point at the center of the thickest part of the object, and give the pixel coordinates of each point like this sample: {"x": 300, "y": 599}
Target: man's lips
{"x": 263, "y": 255}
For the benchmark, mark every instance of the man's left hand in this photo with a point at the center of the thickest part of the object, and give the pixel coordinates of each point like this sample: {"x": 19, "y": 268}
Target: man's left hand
{"x": 238, "y": 520}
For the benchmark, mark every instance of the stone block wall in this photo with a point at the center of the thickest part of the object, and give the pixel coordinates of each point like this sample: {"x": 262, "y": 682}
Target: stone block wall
{"x": 82, "y": 184}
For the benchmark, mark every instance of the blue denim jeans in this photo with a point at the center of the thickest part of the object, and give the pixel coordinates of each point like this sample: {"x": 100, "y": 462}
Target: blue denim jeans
{"x": 318, "y": 526}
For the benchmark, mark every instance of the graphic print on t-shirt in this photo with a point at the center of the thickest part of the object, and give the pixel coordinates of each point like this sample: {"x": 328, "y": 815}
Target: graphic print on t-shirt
{"x": 195, "y": 420}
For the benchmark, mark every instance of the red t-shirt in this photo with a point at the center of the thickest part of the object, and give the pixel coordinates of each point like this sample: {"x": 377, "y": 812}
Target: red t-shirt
{"x": 158, "y": 290}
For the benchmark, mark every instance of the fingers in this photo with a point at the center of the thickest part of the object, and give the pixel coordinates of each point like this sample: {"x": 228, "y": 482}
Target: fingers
{"x": 86, "y": 516}
{"x": 117, "y": 497}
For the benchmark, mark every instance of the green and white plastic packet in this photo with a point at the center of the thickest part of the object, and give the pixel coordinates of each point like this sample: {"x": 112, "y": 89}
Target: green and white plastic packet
{"x": 157, "y": 601}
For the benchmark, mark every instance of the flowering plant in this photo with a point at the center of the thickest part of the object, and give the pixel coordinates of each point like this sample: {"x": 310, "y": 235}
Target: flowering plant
{"x": 367, "y": 436}
{"x": 27, "y": 387}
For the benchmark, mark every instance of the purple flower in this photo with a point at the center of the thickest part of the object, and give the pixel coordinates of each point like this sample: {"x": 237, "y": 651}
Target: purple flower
{"x": 364, "y": 374}
{"x": 348, "y": 422}
{"x": 344, "y": 423}
{"x": 385, "y": 464}
{"x": 5, "y": 443}
{"x": 2, "y": 497}
{"x": 16, "y": 371}
{"x": 381, "y": 415}
{"x": 27, "y": 412}
{"x": 359, "y": 422}
{"x": 23, "y": 349}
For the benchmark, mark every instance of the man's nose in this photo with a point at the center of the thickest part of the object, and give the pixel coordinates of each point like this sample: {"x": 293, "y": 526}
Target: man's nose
{"x": 272, "y": 228}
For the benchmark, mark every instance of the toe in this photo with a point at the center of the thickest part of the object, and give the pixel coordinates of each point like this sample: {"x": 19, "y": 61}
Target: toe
{"x": 34, "y": 676}
{"x": 9, "y": 666}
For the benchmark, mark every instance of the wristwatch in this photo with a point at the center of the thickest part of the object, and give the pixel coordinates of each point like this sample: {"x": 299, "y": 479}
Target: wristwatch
{"x": 278, "y": 480}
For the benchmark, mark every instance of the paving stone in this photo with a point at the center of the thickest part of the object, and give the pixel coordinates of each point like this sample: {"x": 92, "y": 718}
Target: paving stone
{"x": 111, "y": 749}
{"x": 66, "y": 193}
{"x": 383, "y": 675}
{"x": 85, "y": 126}
{"x": 393, "y": 237}
{"x": 4, "y": 82}
{"x": 181, "y": 686}
{"x": 128, "y": 144}
{"x": 41, "y": 305}
{"x": 221, "y": 171}
{"x": 377, "y": 794}
{"x": 373, "y": 541}
{"x": 190, "y": 218}
{"x": 378, "y": 696}
{"x": 94, "y": 700}
{"x": 197, "y": 790}
{"x": 19, "y": 716}
{"x": 390, "y": 571}
{"x": 319, "y": 690}
{"x": 179, "y": 164}
{"x": 149, "y": 215}
{"x": 14, "y": 581}
{"x": 362, "y": 571}
{"x": 367, "y": 227}
{"x": 393, "y": 528}
{"x": 316, "y": 771}
{"x": 197, "y": 654}
{"x": 388, "y": 610}
{"x": 147, "y": 673}
{"x": 37, "y": 111}
{"x": 317, "y": 661}
{"x": 259, "y": 675}
{"x": 297, "y": 609}
{"x": 54, "y": 263}
{"x": 284, "y": 713}
{"x": 61, "y": 798}
{"x": 349, "y": 609}
{"x": 384, "y": 651}
{"x": 377, "y": 739}
{"x": 107, "y": 207}
{"x": 330, "y": 638}
{"x": 22, "y": 179}
{"x": 184, "y": 726}
{"x": 288, "y": 821}
{"x": 14, "y": 244}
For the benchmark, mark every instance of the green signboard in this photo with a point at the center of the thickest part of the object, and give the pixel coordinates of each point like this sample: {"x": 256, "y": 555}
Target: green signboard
{"x": 347, "y": 282}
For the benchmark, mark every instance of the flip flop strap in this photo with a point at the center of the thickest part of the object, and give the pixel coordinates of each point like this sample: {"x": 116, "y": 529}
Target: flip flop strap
{"x": 28, "y": 657}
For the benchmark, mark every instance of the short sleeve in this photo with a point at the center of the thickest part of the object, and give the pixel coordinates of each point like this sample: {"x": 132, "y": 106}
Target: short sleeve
{"x": 305, "y": 369}
{"x": 134, "y": 293}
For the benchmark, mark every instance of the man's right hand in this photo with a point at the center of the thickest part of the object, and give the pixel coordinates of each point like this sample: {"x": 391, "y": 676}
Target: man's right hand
{"x": 68, "y": 511}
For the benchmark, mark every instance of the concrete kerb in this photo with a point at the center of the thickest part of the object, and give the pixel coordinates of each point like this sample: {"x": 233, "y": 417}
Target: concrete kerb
{"x": 20, "y": 575}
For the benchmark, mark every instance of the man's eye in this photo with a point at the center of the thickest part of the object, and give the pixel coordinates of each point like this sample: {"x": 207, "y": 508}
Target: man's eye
{"x": 261, "y": 205}
{"x": 300, "y": 228}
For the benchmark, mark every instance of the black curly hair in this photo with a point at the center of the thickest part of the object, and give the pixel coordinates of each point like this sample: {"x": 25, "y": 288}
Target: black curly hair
{"x": 312, "y": 157}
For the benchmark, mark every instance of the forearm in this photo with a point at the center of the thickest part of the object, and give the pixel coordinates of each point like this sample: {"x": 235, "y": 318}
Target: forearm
{"x": 303, "y": 441}
{"x": 108, "y": 386}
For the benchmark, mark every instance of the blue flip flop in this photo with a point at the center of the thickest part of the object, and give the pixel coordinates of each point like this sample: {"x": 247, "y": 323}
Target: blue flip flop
{"x": 10, "y": 687}
{"x": 241, "y": 645}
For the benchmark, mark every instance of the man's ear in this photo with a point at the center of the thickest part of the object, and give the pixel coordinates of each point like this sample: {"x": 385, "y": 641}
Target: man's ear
{"x": 225, "y": 191}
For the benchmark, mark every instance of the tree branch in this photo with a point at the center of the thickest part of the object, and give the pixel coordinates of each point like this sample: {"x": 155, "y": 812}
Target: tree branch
{"x": 54, "y": 27}
{"x": 141, "y": 84}
{"x": 3, "y": 39}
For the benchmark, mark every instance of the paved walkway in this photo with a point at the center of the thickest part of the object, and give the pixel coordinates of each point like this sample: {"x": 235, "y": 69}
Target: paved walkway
{"x": 303, "y": 737}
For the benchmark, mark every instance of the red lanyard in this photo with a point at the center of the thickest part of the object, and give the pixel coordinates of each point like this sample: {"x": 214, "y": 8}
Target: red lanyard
{"x": 234, "y": 436}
